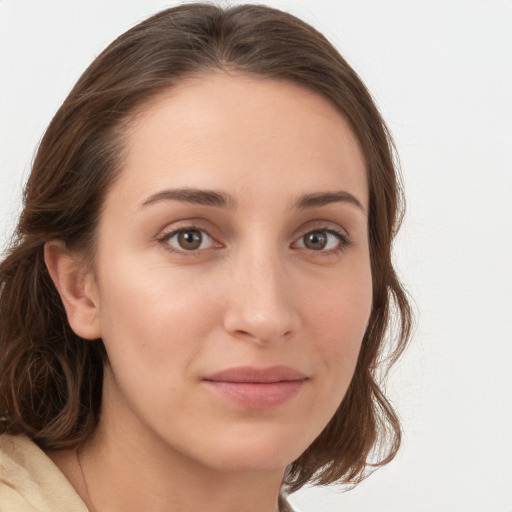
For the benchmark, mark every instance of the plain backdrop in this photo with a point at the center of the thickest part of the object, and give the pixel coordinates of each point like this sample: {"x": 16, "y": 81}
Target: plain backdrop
{"x": 441, "y": 74}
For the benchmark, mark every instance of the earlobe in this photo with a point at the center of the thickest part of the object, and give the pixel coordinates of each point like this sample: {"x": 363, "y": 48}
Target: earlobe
{"x": 76, "y": 289}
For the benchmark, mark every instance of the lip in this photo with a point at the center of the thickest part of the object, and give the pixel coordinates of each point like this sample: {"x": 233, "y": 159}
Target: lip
{"x": 257, "y": 388}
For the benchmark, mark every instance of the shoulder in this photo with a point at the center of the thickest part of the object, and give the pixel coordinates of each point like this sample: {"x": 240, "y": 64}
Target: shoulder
{"x": 30, "y": 481}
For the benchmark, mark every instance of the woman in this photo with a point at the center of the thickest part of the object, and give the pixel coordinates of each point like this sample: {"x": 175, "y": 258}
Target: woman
{"x": 193, "y": 310}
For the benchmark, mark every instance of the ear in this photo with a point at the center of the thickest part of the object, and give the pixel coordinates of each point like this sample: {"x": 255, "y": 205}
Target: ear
{"x": 76, "y": 288}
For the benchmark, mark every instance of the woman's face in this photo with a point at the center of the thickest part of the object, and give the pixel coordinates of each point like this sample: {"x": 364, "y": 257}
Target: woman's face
{"x": 232, "y": 279}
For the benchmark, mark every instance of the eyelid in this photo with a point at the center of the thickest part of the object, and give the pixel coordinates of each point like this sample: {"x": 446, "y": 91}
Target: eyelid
{"x": 321, "y": 224}
{"x": 193, "y": 223}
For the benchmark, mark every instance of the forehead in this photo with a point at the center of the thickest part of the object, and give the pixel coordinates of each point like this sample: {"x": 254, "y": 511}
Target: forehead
{"x": 244, "y": 134}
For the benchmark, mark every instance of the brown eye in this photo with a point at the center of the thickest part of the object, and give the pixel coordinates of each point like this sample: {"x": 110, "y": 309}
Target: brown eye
{"x": 316, "y": 240}
{"x": 322, "y": 240}
{"x": 189, "y": 240}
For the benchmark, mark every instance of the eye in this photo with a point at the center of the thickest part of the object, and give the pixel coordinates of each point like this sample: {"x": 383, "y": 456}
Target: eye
{"x": 322, "y": 240}
{"x": 188, "y": 239}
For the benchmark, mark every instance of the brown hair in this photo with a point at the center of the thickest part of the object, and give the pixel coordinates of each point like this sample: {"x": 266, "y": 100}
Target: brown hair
{"x": 50, "y": 379}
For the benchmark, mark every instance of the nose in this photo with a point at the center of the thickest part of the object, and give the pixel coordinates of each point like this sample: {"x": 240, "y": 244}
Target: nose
{"x": 261, "y": 307}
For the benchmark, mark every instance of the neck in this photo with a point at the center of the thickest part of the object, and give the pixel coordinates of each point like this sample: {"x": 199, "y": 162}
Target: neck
{"x": 123, "y": 477}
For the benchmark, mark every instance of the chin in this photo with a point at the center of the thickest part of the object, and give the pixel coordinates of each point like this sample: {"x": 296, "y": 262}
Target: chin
{"x": 258, "y": 452}
{"x": 251, "y": 461}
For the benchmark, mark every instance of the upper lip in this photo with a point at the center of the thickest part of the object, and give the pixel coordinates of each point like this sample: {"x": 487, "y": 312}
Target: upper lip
{"x": 253, "y": 374}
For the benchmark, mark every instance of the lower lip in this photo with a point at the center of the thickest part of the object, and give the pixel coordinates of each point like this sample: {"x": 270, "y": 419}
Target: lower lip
{"x": 257, "y": 395}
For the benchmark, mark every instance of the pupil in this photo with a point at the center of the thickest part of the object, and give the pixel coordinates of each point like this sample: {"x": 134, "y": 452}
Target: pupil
{"x": 190, "y": 239}
{"x": 315, "y": 240}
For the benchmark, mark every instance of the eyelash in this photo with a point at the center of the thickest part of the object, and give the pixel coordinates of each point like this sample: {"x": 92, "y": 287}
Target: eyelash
{"x": 344, "y": 241}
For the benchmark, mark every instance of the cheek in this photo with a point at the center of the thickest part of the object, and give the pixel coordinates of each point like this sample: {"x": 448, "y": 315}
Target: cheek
{"x": 152, "y": 317}
{"x": 339, "y": 318}
{"x": 154, "y": 325}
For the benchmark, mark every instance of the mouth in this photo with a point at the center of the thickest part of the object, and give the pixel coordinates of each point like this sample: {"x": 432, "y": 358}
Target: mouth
{"x": 257, "y": 388}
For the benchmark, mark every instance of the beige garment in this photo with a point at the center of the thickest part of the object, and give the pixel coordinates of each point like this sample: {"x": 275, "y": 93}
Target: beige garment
{"x": 31, "y": 482}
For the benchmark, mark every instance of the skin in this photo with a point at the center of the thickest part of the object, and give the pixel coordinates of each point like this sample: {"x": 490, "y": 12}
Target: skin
{"x": 253, "y": 294}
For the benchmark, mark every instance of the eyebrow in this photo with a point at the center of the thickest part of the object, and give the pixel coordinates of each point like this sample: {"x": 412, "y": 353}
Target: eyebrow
{"x": 193, "y": 196}
{"x": 223, "y": 200}
{"x": 324, "y": 198}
